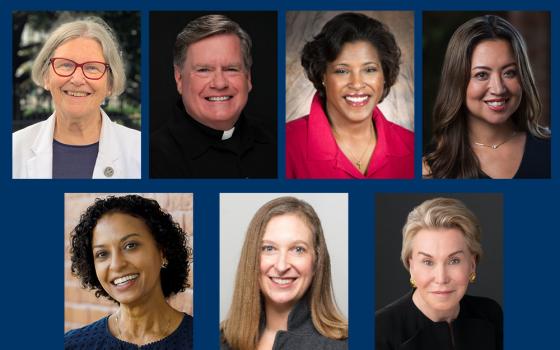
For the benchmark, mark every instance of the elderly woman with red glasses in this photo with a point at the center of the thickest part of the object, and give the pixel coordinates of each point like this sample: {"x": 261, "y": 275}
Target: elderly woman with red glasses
{"x": 80, "y": 65}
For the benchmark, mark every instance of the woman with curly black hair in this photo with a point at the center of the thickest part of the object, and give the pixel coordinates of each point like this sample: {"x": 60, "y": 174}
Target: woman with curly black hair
{"x": 130, "y": 251}
{"x": 353, "y": 63}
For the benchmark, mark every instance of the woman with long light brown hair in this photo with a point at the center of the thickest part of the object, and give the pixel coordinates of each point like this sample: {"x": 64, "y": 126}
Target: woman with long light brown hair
{"x": 283, "y": 291}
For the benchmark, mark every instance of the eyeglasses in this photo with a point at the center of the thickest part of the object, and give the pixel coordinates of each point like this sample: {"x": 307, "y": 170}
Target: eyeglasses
{"x": 92, "y": 70}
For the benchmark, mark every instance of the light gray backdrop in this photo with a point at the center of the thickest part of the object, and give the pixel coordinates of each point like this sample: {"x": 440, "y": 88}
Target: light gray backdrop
{"x": 237, "y": 210}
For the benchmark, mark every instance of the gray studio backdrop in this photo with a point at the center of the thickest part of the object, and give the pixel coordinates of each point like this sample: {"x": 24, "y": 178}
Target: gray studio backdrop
{"x": 237, "y": 210}
{"x": 392, "y": 279}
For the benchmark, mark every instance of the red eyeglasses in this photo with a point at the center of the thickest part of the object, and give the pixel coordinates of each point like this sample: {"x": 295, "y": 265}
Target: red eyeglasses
{"x": 65, "y": 67}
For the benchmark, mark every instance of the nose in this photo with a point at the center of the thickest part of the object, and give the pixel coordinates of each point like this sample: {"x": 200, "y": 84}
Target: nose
{"x": 282, "y": 264}
{"x": 78, "y": 76}
{"x": 219, "y": 80}
{"x": 117, "y": 261}
{"x": 356, "y": 81}
{"x": 497, "y": 86}
{"x": 441, "y": 274}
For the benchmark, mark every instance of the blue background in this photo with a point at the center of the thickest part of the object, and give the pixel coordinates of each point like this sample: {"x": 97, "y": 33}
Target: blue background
{"x": 33, "y": 210}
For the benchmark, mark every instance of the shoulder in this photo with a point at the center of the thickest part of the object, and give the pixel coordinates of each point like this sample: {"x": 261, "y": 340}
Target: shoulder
{"x": 28, "y": 134}
{"x": 482, "y": 307}
{"x": 262, "y": 132}
{"x": 393, "y": 313}
{"x": 296, "y": 130}
{"x": 91, "y": 336}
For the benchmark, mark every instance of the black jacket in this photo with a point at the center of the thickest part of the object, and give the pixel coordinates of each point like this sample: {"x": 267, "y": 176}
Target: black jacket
{"x": 401, "y": 325}
{"x": 301, "y": 334}
{"x": 184, "y": 148}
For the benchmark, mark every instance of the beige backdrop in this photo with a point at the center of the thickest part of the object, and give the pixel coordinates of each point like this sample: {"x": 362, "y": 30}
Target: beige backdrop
{"x": 81, "y": 307}
{"x": 301, "y": 26}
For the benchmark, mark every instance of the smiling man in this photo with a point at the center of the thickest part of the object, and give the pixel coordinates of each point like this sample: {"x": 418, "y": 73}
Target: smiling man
{"x": 209, "y": 136}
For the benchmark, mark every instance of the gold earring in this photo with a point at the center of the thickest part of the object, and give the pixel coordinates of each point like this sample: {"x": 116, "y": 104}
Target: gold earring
{"x": 164, "y": 263}
{"x": 412, "y": 282}
{"x": 472, "y": 277}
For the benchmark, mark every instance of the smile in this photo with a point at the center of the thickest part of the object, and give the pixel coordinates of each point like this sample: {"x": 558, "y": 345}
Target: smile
{"x": 218, "y": 98}
{"x": 497, "y": 105}
{"x": 76, "y": 93}
{"x": 122, "y": 280}
{"x": 283, "y": 281}
{"x": 357, "y": 100}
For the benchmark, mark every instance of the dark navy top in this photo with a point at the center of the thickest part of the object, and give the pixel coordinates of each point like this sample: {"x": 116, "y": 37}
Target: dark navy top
{"x": 535, "y": 163}
{"x": 96, "y": 336}
{"x": 74, "y": 162}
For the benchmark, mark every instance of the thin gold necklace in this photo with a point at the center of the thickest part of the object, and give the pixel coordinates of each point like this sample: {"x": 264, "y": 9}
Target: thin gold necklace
{"x": 496, "y": 145}
{"x": 155, "y": 339}
{"x": 356, "y": 161}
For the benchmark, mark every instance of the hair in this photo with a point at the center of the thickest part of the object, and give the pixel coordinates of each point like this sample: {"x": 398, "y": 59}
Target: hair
{"x": 349, "y": 28}
{"x": 451, "y": 155}
{"x": 241, "y": 328}
{"x": 206, "y": 26}
{"x": 92, "y": 28}
{"x": 168, "y": 235}
{"x": 441, "y": 213}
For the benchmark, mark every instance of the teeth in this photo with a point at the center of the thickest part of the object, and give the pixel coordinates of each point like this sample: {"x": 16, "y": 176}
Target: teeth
{"x": 282, "y": 280}
{"x": 123, "y": 280}
{"x": 77, "y": 93}
{"x": 218, "y": 98}
{"x": 356, "y": 99}
{"x": 496, "y": 103}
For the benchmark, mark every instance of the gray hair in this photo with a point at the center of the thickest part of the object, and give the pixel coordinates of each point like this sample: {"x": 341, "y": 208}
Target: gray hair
{"x": 90, "y": 27}
{"x": 206, "y": 26}
{"x": 441, "y": 213}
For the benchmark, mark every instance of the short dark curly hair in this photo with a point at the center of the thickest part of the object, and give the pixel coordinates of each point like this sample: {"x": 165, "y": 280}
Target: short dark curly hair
{"x": 347, "y": 28}
{"x": 170, "y": 238}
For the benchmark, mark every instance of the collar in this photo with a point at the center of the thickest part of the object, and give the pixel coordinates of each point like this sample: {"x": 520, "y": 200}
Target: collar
{"x": 40, "y": 166}
{"x": 198, "y": 138}
{"x": 322, "y": 146}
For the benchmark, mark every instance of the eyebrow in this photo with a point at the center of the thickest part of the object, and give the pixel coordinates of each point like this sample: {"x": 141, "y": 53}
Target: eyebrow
{"x": 488, "y": 68}
{"x": 363, "y": 64}
{"x": 454, "y": 253}
{"x": 294, "y": 242}
{"x": 121, "y": 240}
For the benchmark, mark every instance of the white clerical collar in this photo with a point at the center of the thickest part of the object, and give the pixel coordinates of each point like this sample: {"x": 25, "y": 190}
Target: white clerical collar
{"x": 228, "y": 134}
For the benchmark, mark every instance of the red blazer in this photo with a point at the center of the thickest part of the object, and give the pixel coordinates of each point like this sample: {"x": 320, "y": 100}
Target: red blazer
{"x": 312, "y": 152}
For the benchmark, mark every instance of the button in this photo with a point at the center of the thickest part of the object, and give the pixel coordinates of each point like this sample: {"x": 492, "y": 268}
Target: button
{"x": 109, "y": 172}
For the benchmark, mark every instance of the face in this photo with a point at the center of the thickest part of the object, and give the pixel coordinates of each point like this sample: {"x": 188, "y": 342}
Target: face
{"x": 494, "y": 89}
{"x": 440, "y": 265}
{"x": 354, "y": 83}
{"x": 213, "y": 82}
{"x": 126, "y": 258}
{"x": 77, "y": 96}
{"x": 286, "y": 261}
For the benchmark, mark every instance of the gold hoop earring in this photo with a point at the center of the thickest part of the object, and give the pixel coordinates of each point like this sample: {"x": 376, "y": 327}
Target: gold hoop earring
{"x": 472, "y": 277}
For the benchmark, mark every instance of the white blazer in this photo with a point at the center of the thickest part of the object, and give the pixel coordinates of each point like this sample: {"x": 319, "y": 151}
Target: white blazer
{"x": 118, "y": 157}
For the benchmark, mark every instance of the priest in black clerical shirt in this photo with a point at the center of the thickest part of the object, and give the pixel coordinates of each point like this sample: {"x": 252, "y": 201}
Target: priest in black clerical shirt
{"x": 209, "y": 136}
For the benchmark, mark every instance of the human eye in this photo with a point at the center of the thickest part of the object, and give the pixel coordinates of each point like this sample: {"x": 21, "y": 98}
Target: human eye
{"x": 454, "y": 261}
{"x": 340, "y": 70}
{"x": 427, "y": 262}
{"x": 93, "y": 67}
{"x": 100, "y": 254}
{"x": 371, "y": 69}
{"x": 510, "y": 73}
{"x": 267, "y": 248}
{"x": 481, "y": 75}
{"x": 130, "y": 245}
{"x": 299, "y": 249}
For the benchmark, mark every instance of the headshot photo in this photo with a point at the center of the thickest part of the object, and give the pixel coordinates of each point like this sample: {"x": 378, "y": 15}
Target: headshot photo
{"x": 350, "y": 95}
{"x": 439, "y": 271}
{"x": 284, "y": 271}
{"x": 213, "y": 95}
{"x": 76, "y": 100}
{"x": 128, "y": 276}
{"x": 486, "y": 95}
